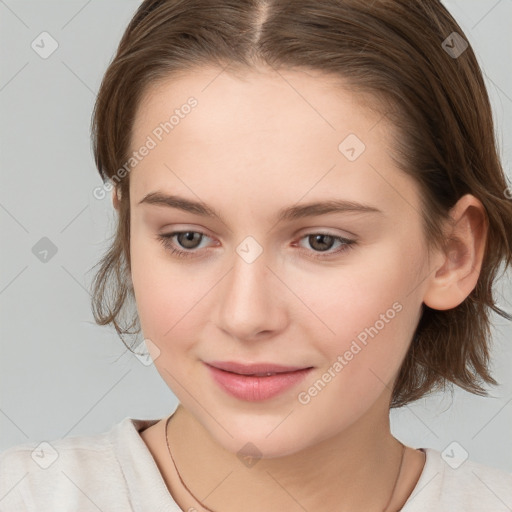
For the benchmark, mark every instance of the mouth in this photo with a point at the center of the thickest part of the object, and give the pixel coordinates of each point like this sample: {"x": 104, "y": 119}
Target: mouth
{"x": 256, "y": 382}
{"x": 255, "y": 369}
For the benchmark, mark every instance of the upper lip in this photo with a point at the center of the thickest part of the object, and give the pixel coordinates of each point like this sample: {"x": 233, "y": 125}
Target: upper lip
{"x": 250, "y": 369}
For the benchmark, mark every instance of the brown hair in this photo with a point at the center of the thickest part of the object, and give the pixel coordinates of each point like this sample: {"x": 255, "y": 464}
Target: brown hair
{"x": 398, "y": 52}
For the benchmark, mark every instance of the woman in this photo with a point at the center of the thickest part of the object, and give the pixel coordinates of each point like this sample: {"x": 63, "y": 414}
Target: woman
{"x": 311, "y": 215}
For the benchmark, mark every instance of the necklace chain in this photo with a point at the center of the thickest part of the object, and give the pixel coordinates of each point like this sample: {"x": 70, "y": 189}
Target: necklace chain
{"x": 210, "y": 510}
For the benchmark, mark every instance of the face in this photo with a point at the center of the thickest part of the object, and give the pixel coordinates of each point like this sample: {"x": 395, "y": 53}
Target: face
{"x": 338, "y": 290}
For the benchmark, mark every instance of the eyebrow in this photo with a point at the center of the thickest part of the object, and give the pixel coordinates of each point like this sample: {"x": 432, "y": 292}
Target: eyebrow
{"x": 286, "y": 214}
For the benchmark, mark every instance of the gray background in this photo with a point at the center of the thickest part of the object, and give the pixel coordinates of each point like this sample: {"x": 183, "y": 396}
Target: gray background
{"x": 60, "y": 374}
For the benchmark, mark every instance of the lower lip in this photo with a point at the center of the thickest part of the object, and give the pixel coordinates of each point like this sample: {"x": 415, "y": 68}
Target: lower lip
{"x": 254, "y": 389}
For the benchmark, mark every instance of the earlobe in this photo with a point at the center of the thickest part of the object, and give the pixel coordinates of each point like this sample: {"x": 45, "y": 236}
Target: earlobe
{"x": 458, "y": 268}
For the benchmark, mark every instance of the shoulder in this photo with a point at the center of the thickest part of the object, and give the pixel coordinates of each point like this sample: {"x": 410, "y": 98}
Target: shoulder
{"x": 453, "y": 485}
{"x": 51, "y": 475}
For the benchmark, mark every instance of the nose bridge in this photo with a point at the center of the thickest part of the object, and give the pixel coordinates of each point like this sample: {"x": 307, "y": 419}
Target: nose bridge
{"x": 249, "y": 276}
{"x": 247, "y": 304}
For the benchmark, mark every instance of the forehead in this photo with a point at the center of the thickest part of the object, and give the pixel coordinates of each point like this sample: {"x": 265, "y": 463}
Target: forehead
{"x": 294, "y": 132}
{"x": 307, "y": 99}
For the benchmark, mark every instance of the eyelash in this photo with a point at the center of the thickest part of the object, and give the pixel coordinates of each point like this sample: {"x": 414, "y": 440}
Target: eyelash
{"x": 165, "y": 239}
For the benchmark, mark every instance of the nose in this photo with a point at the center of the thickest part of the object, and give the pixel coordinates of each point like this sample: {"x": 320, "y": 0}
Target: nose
{"x": 251, "y": 300}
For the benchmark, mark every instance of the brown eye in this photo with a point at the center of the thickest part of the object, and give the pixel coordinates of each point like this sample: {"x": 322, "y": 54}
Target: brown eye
{"x": 321, "y": 242}
{"x": 189, "y": 239}
{"x": 184, "y": 244}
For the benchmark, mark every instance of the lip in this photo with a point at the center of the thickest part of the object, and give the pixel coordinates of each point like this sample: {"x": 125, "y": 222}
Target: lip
{"x": 251, "y": 369}
{"x": 252, "y": 388}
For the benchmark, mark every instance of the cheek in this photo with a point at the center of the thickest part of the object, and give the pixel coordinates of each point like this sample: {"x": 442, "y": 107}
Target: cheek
{"x": 171, "y": 297}
{"x": 366, "y": 314}
{"x": 165, "y": 301}
{"x": 362, "y": 358}
{"x": 161, "y": 293}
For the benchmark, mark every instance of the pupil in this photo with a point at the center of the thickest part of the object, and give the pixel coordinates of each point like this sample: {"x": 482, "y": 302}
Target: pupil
{"x": 189, "y": 237}
{"x": 321, "y": 239}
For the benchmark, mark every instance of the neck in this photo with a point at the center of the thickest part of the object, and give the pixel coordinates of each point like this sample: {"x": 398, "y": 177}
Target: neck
{"x": 336, "y": 473}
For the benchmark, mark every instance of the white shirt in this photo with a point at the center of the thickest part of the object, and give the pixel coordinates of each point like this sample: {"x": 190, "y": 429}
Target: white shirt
{"x": 115, "y": 472}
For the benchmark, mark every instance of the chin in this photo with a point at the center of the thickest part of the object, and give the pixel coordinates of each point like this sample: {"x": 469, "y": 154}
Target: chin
{"x": 262, "y": 439}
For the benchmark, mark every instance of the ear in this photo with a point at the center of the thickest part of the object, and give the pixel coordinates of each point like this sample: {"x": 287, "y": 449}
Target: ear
{"x": 458, "y": 267}
{"x": 116, "y": 196}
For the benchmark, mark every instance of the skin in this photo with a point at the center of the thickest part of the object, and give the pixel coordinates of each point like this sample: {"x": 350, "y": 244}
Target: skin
{"x": 255, "y": 144}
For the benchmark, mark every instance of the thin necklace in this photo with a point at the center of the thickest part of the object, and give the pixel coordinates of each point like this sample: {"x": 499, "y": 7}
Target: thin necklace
{"x": 210, "y": 510}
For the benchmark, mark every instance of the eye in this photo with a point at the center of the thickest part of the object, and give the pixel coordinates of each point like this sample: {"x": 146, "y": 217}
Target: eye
{"x": 187, "y": 239}
{"x": 190, "y": 240}
{"x": 323, "y": 242}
